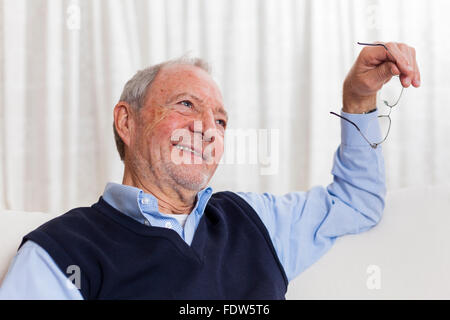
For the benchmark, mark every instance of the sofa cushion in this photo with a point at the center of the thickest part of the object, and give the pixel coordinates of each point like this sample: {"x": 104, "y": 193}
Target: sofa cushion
{"x": 406, "y": 256}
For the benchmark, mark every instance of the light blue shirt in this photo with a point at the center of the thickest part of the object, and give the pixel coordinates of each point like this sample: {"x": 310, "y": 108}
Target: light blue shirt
{"x": 302, "y": 225}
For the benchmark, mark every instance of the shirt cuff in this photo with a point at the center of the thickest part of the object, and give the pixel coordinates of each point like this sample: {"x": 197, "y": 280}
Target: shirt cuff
{"x": 367, "y": 123}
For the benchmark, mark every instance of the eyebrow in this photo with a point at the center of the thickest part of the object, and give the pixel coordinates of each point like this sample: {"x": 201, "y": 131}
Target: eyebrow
{"x": 220, "y": 110}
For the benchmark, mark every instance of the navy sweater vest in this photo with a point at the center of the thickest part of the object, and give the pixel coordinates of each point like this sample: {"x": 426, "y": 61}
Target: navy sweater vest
{"x": 230, "y": 257}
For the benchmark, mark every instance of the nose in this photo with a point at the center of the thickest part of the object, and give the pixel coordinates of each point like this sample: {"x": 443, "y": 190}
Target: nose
{"x": 205, "y": 125}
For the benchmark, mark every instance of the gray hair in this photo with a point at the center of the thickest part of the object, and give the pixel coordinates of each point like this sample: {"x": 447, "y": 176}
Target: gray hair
{"x": 136, "y": 89}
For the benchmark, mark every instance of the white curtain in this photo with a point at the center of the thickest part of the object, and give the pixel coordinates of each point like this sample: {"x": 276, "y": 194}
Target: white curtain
{"x": 280, "y": 64}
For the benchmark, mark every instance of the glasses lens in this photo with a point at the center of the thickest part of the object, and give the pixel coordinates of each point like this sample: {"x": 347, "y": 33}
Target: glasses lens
{"x": 385, "y": 124}
{"x": 389, "y": 94}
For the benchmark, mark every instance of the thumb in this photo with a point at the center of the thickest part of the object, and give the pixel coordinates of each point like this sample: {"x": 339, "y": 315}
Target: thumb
{"x": 386, "y": 71}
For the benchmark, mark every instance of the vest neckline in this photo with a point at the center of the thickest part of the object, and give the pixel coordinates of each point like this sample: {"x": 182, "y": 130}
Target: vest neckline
{"x": 195, "y": 250}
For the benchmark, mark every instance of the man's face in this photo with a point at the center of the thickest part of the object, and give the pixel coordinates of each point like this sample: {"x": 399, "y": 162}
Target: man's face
{"x": 180, "y": 128}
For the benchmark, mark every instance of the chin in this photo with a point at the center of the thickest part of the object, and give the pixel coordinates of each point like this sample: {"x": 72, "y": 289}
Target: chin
{"x": 194, "y": 179}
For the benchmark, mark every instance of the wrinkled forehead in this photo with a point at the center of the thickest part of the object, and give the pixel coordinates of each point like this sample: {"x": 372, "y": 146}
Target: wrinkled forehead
{"x": 175, "y": 79}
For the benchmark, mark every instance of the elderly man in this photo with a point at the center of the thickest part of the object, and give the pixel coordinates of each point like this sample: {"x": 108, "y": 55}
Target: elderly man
{"x": 163, "y": 234}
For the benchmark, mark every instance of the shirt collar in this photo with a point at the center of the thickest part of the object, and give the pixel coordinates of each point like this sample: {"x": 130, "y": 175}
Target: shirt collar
{"x": 133, "y": 201}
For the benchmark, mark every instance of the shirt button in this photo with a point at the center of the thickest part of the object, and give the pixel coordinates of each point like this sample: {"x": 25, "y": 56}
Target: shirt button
{"x": 146, "y": 223}
{"x": 168, "y": 225}
{"x": 144, "y": 201}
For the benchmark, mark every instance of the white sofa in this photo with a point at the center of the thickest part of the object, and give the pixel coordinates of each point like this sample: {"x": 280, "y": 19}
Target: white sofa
{"x": 409, "y": 251}
{"x": 407, "y": 256}
{"x": 13, "y": 226}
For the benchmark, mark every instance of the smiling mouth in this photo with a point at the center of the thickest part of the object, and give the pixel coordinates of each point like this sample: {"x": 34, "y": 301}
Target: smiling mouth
{"x": 189, "y": 149}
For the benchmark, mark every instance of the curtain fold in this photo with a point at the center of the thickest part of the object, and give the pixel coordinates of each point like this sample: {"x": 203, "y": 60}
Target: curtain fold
{"x": 280, "y": 65}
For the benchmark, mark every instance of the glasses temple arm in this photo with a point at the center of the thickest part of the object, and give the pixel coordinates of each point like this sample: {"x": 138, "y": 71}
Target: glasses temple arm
{"x": 373, "y": 145}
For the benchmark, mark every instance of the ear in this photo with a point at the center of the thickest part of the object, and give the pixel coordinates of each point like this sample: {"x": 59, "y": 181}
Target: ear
{"x": 123, "y": 121}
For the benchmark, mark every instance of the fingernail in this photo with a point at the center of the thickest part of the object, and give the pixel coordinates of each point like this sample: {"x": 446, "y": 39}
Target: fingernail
{"x": 410, "y": 68}
{"x": 407, "y": 81}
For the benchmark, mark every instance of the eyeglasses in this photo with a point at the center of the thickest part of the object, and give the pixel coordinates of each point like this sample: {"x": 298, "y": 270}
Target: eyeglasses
{"x": 385, "y": 118}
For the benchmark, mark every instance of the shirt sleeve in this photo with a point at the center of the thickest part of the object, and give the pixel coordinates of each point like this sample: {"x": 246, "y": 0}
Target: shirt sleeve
{"x": 33, "y": 275}
{"x": 304, "y": 225}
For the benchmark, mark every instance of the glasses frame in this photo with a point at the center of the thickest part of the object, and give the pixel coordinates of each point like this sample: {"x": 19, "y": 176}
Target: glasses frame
{"x": 374, "y": 145}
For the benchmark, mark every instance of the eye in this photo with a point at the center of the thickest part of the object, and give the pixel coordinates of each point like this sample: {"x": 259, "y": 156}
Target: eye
{"x": 222, "y": 123}
{"x": 187, "y": 103}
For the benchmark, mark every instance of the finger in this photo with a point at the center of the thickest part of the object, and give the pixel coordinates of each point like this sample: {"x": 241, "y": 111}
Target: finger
{"x": 386, "y": 71}
{"x": 413, "y": 78}
{"x": 416, "y": 80}
{"x": 406, "y": 79}
{"x": 375, "y": 55}
{"x": 394, "y": 70}
{"x": 400, "y": 55}
{"x": 412, "y": 63}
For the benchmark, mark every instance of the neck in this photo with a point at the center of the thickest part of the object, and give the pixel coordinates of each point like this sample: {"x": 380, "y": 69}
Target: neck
{"x": 171, "y": 199}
